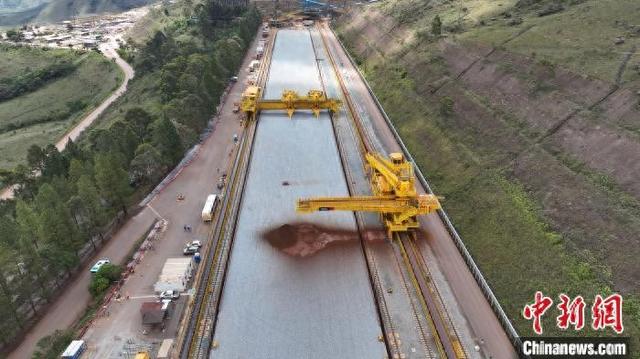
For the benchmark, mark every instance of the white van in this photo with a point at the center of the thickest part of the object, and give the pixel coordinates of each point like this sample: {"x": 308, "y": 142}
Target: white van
{"x": 209, "y": 207}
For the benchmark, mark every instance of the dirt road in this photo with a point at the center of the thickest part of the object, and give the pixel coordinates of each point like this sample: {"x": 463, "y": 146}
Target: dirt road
{"x": 108, "y": 49}
{"x": 196, "y": 181}
{"x": 478, "y": 313}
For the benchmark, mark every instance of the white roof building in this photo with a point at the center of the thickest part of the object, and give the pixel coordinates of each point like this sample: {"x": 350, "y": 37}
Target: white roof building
{"x": 175, "y": 274}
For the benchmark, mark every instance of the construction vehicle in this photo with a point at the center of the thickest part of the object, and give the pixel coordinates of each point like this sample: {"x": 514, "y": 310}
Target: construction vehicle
{"x": 315, "y": 100}
{"x": 394, "y": 195}
{"x": 143, "y": 355}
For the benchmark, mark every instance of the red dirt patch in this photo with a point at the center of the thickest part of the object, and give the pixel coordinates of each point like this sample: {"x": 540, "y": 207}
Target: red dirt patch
{"x": 305, "y": 239}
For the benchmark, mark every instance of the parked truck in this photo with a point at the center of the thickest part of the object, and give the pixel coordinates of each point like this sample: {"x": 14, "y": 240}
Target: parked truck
{"x": 209, "y": 207}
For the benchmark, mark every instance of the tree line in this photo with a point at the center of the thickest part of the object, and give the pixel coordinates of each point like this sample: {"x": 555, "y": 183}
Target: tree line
{"x": 66, "y": 199}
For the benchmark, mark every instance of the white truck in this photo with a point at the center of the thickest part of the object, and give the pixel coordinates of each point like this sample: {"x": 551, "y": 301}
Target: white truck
{"x": 209, "y": 207}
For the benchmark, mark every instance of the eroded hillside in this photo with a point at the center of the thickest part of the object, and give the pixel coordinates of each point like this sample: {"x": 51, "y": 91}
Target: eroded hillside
{"x": 525, "y": 115}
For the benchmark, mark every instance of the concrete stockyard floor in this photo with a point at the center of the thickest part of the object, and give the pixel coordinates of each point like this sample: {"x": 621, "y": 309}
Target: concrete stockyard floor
{"x": 275, "y": 305}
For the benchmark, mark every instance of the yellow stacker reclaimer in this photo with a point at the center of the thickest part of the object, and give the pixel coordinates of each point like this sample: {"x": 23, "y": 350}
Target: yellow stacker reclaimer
{"x": 290, "y": 101}
{"x": 394, "y": 195}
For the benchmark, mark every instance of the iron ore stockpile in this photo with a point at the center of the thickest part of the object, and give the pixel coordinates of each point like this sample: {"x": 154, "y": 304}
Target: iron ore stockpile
{"x": 287, "y": 304}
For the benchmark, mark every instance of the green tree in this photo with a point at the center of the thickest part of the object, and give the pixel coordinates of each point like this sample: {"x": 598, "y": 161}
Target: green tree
{"x": 139, "y": 120}
{"x": 125, "y": 140}
{"x": 111, "y": 272}
{"x": 146, "y": 166}
{"x": 56, "y": 228}
{"x": 90, "y": 197}
{"x": 79, "y": 168}
{"x": 436, "y": 25}
{"x": 112, "y": 180}
{"x": 98, "y": 285}
{"x": 55, "y": 164}
{"x": 165, "y": 138}
{"x": 15, "y": 35}
{"x": 27, "y": 221}
{"x": 9, "y": 276}
{"x": 35, "y": 157}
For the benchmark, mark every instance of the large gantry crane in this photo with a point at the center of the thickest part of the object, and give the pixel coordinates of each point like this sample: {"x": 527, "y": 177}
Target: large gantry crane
{"x": 394, "y": 195}
{"x": 290, "y": 101}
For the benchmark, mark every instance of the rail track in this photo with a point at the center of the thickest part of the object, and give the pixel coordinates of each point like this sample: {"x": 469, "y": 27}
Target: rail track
{"x": 439, "y": 331}
{"x": 197, "y": 339}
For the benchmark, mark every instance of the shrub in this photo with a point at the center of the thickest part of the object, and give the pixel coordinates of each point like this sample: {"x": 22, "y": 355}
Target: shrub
{"x": 446, "y": 106}
{"x": 111, "y": 272}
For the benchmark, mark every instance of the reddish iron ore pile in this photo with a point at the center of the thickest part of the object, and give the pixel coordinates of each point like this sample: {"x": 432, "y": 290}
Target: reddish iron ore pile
{"x": 305, "y": 239}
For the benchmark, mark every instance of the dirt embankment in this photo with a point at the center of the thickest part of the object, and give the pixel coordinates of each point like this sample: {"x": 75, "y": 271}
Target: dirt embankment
{"x": 566, "y": 144}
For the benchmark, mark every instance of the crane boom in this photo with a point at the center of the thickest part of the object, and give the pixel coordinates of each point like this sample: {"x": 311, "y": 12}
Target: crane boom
{"x": 394, "y": 195}
{"x": 394, "y": 176}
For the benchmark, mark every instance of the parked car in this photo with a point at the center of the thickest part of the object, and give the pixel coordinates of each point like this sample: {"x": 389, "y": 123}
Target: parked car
{"x": 190, "y": 250}
{"x": 96, "y": 267}
{"x": 195, "y": 243}
{"x": 169, "y": 294}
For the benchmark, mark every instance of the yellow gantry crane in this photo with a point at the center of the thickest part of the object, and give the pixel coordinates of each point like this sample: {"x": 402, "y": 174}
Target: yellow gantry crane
{"x": 394, "y": 195}
{"x": 315, "y": 100}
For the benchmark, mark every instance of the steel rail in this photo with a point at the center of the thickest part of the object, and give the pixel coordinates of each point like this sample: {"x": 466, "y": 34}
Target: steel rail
{"x": 462, "y": 249}
{"x": 447, "y": 341}
{"x": 438, "y": 327}
{"x": 392, "y": 343}
{"x": 197, "y": 341}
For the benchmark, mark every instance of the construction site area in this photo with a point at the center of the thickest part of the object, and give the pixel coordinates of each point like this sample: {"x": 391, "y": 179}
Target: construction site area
{"x": 314, "y": 179}
{"x": 327, "y": 240}
{"x": 319, "y": 235}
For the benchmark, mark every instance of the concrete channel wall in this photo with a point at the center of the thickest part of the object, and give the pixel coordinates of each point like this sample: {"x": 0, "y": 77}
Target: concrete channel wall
{"x": 275, "y": 305}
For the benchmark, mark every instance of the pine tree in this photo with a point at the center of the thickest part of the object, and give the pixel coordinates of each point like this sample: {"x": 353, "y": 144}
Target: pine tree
{"x": 112, "y": 180}
{"x": 166, "y": 140}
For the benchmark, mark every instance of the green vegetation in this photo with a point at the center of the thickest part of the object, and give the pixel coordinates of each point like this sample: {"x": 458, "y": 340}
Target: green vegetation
{"x": 52, "y": 345}
{"x": 436, "y": 25}
{"x": 44, "y": 92}
{"x": 181, "y": 72}
{"x": 512, "y": 242}
{"x": 533, "y": 215}
{"x": 101, "y": 281}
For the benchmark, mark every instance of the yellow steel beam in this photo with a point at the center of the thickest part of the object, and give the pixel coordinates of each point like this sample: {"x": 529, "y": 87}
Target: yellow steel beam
{"x": 394, "y": 195}
{"x": 290, "y": 101}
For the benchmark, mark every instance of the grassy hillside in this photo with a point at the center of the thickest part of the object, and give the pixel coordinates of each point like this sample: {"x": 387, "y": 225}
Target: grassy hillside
{"x": 44, "y": 113}
{"x": 529, "y": 111}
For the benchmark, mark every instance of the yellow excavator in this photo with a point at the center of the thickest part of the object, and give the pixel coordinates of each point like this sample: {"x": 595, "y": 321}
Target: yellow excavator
{"x": 290, "y": 101}
{"x": 394, "y": 195}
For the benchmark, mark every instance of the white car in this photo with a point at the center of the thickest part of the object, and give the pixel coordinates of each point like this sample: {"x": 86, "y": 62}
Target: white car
{"x": 169, "y": 294}
{"x": 96, "y": 267}
{"x": 195, "y": 243}
{"x": 190, "y": 250}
